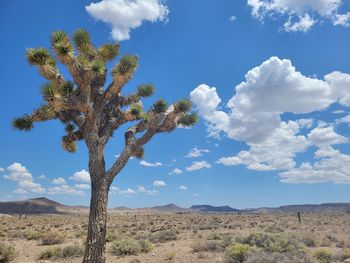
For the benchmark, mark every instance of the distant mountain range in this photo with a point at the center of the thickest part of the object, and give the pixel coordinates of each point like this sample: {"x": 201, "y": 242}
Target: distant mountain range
{"x": 43, "y": 205}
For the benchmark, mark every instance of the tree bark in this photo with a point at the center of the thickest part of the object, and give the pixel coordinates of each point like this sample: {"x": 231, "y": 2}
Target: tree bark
{"x": 95, "y": 243}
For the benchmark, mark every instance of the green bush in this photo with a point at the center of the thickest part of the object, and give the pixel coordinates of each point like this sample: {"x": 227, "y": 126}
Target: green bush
{"x": 72, "y": 251}
{"x": 163, "y": 236}
{"x": 33, "y": 235}
{"x": 322, "y": 255}
{"x": 207, "y": 245}
{"x": 145, "y": 245}
{"x": 236, "y": 253}
{"x": 129, "y": 246}
{"x": 7, "y": 253}
{"x": 65, "y": 252}
{"x": 214, "y": 236}
{"x": 345, "y": 253}
{"x": 289, "y": 257}
{"x": 269, "y": 242}
{"x": 52, "y": 238}
{"x": 52, "y": 252}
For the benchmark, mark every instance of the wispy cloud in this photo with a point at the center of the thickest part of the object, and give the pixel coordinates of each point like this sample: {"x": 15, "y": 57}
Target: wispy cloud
{"x": 198, "y": 166}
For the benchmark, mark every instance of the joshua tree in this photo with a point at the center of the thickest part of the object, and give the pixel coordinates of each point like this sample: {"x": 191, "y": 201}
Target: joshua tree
{"x": 92, "y": 112}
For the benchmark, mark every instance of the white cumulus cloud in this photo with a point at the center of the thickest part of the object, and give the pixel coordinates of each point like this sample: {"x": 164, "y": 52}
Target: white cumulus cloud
{"x": 196, "y": 152}
{"x": 198, "y": 166}
{"x": 145, "y": 163}
{"x": 254, "y": 113}
{"x": 125, "y": 15}
{"x": 176, "y": 171}
{"x": 19, "y": 173}
{"x": 65, "y": 190}
{"x": 142, "y": 189}
{"x": 301, "y": 14}
{"x": 159, "y": 183}
{"x": 82, "y": 176}
{"x": 59, "y": 180}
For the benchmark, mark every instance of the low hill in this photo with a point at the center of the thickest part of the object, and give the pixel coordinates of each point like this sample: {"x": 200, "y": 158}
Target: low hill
{"x": 43, "y": 205}
{"x": 213, "y": 209}
{"x": 40, "y": 205}
{"x": 326, "y": 208}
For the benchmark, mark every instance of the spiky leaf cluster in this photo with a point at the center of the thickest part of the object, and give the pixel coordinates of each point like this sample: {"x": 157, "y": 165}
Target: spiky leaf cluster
{"x": 62, "y": 46}
{"x": 67, "y": 88}
{"x": 23, "y": 123}
{"x": 68, "y": 144}
{"x": 50, "y": 91}
{"x": 183, "y": 105}
{"x": 42, "y": 58}
{"x": 139, "y": 153}
{"x": 145, "y": 90}
{"x": 160, "y": 106}
{"x": 136, "y": 110}
{"x": 98, "y": 67}
{"x": 126, "y": 66}
{"x": 108, "y": 52}
{"x": 188, "y": 120}
{"x": 82, "y": 42}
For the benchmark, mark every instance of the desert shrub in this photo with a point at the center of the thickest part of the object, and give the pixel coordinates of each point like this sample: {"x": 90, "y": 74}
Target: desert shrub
{"x": 290, "y": 257}
{"x": 52, "y": 252}
{"x": 214, "y": 236}
{"x": 16, "y": 234}
{"x": 72, "y": 251}
{"x": 111, "y": 236}
{"x": 170, "y": 255}
{"x": 126, "y": 246}
{"x": 322, "y": 255}
{"x": 145, "y": 245}
{"x": 345, "y": 253}
{"x": 236, "y": 253}
{"x": 226, "y": 240}
{"x": 65, "y": 252}
{"x": 7, "y": 253}
{"x": 279, "y": 243}
{"x": 309, "y": 241}
{"x": 207, "y": 245}
{"x": 33, "y": 235}
{"x": 163, "y": 236}
{"x": 130, "y": 246}
{"x": 52, "y": 238}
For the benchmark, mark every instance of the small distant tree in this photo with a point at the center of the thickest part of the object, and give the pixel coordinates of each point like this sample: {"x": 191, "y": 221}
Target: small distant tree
{"x": 92, "y": 112}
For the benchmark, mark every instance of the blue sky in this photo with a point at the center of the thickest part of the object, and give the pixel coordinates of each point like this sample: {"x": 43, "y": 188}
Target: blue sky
{"x": 269, "y": 80}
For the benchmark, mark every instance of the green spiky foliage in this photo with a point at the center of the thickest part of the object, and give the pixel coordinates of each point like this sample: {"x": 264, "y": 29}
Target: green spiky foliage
{"x": 136, "y": 110}
{"x": 183, "y": 105}
{"x": 126, "y": 66}
{"x": 140, "y": 153}
{"x": 189, "y": 120}
{"x": 50, "y": 91}
{"x": 42, "y": 58}
{"x": 98, "y": 67}
{"x": 145, "y": 90}
{"x": 108, "y": 52}
{"x": 69, "y": 128}
{"x": 91, "y": 111}
{"x": 62, "y": 46}
{"x": 24, "y": 123}
{"x": 160, "y": 106}
{"x": 67, "y": 88}
{"x": 69, "y": 145}
{"x": 82, "y": 42}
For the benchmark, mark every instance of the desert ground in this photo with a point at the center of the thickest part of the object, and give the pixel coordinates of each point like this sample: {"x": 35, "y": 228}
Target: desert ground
{"x": 133, "y": 238}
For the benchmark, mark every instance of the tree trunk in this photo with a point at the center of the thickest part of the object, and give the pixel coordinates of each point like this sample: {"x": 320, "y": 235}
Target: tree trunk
{"x": 95, "y": 243}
